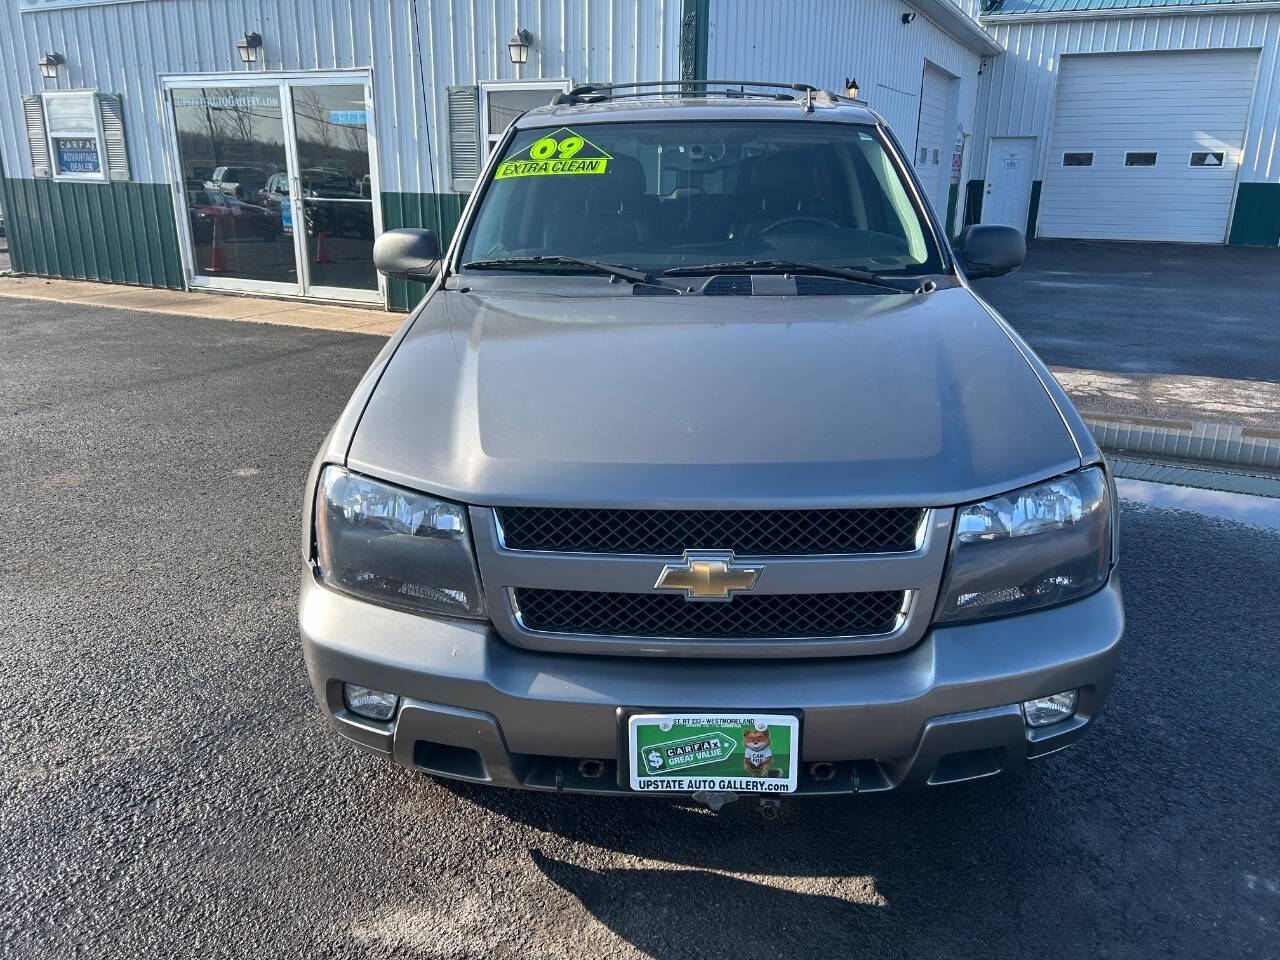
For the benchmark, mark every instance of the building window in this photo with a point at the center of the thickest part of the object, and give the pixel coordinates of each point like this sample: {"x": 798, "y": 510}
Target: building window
{"x": 1206, "y": 158}
{"x": 1082, "y": 159}
{"x": 1139, "y": 159}
{"x": 74, "y": 129}
{"x": 501, "y": 101}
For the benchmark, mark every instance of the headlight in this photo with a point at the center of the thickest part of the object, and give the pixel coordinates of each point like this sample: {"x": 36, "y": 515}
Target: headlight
{"x": 1034, "y": 547}
{"x": 394, "y": 546}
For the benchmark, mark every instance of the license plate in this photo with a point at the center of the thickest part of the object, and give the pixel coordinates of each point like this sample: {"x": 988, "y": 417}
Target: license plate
{"x": 741, "y": 752}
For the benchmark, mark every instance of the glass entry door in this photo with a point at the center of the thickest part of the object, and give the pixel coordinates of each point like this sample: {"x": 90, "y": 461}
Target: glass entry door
{"x": 334, "y": 187}
{"x": 277, "y": 185}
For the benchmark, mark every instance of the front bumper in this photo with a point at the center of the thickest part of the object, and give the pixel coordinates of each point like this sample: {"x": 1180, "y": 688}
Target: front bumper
{"x": 476, "y": 708}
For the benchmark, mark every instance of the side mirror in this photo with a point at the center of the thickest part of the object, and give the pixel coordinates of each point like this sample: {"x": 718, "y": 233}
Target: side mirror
{"x": 407, "y": 254}
{"x": 990, "y": 250}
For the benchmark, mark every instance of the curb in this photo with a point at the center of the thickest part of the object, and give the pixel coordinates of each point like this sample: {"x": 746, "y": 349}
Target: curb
{"x": 1216, "y": 444}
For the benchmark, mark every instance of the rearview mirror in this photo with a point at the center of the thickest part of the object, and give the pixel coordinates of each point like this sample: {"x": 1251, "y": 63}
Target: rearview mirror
{"x": 407, "y": 254}
{"x": 990, "y": 249}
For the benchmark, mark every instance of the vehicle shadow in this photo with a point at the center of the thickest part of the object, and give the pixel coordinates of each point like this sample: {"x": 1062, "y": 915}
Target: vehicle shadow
{"x": 668, "y": 913}
{"x": 945, "y": 873}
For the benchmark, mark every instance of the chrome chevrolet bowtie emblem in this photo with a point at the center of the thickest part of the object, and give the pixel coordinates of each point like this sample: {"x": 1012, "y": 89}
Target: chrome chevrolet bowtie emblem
{"x": 708, "y": 575}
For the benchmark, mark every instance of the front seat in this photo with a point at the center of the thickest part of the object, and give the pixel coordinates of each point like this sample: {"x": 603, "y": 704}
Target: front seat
{"x": 612, "y": 209}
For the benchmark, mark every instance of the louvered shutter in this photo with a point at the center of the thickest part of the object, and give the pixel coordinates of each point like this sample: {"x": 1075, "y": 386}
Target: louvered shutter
{"x": 464, "y": 137}
{"x": 115, "y": 148}
{"x": 33, "y": 110}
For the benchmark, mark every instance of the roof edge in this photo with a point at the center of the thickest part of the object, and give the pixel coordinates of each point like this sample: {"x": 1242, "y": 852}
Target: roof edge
{"x": 958, "y": 25}
{"x": 1207, "y": 8}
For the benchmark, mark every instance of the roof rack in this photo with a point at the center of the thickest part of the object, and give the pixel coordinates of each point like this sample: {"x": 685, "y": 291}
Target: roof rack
{"x": 600, "y": 92}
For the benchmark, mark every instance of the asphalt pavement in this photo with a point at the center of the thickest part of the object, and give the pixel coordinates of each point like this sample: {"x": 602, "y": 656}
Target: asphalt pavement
{"x": 1147, "y": 308}
{"x": 168, "y": 787}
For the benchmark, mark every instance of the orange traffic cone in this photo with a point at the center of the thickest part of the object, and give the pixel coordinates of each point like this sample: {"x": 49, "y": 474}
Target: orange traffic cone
{"x": 217, "y": 256}
{"x": 322, "y": 253}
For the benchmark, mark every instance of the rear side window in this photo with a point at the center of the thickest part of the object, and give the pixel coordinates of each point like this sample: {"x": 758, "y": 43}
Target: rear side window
{"x": 678, "y": 193}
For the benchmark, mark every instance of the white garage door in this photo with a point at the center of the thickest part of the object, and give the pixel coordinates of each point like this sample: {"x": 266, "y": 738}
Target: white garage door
{"x": 934, "y": 135}
{"x": 1145, "y": 146}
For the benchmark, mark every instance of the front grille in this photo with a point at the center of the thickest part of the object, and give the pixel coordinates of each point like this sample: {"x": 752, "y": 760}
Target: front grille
{"x": 751, "y": 616}
{"x": 761, "y": 533}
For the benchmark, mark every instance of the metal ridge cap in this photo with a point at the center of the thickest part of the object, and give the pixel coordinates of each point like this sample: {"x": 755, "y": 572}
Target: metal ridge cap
{"x": 1134, "y": 12}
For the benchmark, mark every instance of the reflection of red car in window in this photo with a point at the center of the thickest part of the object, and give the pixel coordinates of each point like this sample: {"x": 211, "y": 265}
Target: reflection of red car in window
{"x": 236, "y": 219}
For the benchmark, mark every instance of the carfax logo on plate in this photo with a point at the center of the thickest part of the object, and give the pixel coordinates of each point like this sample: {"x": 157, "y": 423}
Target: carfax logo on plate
{"x": 692, "y": 751}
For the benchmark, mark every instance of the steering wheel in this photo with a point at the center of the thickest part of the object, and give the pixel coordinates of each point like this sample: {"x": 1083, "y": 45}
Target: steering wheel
{"x": 810, "y": 218}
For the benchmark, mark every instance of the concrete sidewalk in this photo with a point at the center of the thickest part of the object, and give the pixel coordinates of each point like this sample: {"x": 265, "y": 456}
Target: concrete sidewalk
{"x": 209, "y": 306}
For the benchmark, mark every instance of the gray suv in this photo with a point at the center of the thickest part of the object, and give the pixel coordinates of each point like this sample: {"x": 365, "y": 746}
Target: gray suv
{"x": 701, "y": 469}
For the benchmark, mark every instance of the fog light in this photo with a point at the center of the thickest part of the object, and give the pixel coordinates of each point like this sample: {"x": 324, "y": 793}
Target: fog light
{"x": 1046, "y": 710}
{"x": 373, "y": 704}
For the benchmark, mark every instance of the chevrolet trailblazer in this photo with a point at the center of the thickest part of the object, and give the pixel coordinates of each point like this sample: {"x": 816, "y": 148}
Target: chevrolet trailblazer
{"x": 702, "y": 469}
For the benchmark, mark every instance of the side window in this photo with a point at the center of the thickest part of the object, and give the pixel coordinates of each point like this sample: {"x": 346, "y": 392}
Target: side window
{"x": 1078, "y": 159}
{"x": 75, "y": 141}
{"x": 502, "y": 102}
{"x": 1207, "y": 158}
{"x": 1140, "y": 158}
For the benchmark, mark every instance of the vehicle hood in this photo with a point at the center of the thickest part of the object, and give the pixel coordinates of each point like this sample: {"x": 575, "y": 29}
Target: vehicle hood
{"x": 512, "y": 396}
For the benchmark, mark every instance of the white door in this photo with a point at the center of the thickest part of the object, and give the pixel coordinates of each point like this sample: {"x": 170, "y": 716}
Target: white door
{"x": 1008, "y": 190}
{"x": 1146, "y": 146}
{"x": 934, "y": 135}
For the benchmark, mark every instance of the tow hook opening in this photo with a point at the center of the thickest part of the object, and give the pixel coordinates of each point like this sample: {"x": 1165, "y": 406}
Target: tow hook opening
{"x": 715, "y": 799}
{"x": 591, "y": 769}
{"x": 822, "y": 770}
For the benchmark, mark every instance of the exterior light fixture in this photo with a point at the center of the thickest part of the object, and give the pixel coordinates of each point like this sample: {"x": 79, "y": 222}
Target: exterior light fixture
{"x": 49, "y": 65}
{"x": 518, "y": 45}
{"x": 909, "y": 16}
{"x": 249, "y": 45}
{"x": 851, "y": 88}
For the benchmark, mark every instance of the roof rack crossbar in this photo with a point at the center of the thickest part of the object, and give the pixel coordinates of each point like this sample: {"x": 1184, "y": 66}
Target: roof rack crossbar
{"x": 605, "y": 91}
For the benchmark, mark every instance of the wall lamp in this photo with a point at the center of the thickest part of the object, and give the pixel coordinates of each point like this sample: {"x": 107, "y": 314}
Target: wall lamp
{"x": 909, "y": 16}
{"x": 851, "y": 88}
{"x": 518, "y": 45}
{"x": 249, "y": 45}
{"x": 49, "y": 65}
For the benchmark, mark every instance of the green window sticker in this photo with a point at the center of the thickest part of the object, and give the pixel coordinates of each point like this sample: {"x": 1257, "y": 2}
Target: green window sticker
{"x": 562, "y": 153}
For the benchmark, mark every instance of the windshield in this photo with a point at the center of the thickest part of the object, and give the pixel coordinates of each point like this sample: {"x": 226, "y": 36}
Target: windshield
{"x": 680, "y": 194}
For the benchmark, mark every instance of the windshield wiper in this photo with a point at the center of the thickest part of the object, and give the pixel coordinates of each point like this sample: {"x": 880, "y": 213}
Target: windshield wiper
{"x": 630, "y": 274}
{"x": 794, "y": 267}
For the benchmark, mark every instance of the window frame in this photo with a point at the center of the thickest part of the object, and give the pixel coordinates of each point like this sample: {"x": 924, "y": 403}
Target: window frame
{"x": 1207, "y": 166}
{"x": 1140, "y": 166}
{"x": 490, "y": 138}
{"x": 1093, "y": 157}
{"x": 50, "y": 133}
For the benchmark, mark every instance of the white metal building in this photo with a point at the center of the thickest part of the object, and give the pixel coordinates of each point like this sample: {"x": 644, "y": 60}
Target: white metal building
{"x": 1131, "y": 120}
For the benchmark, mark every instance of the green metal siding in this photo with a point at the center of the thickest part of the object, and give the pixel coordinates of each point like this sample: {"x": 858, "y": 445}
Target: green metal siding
{"x": 973, "y": 201}
{"x": 113, "y": 232}
{"x": 1256, "y": 222}
{"x": 695, "y": 16}
{"x": 1033, "y": 208}
{"x": 433, "y": 211}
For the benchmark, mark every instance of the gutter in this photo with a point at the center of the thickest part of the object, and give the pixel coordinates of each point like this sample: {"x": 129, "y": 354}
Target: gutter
{"x": 955, "y": 23}
{"x": 1134, "y": 12}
